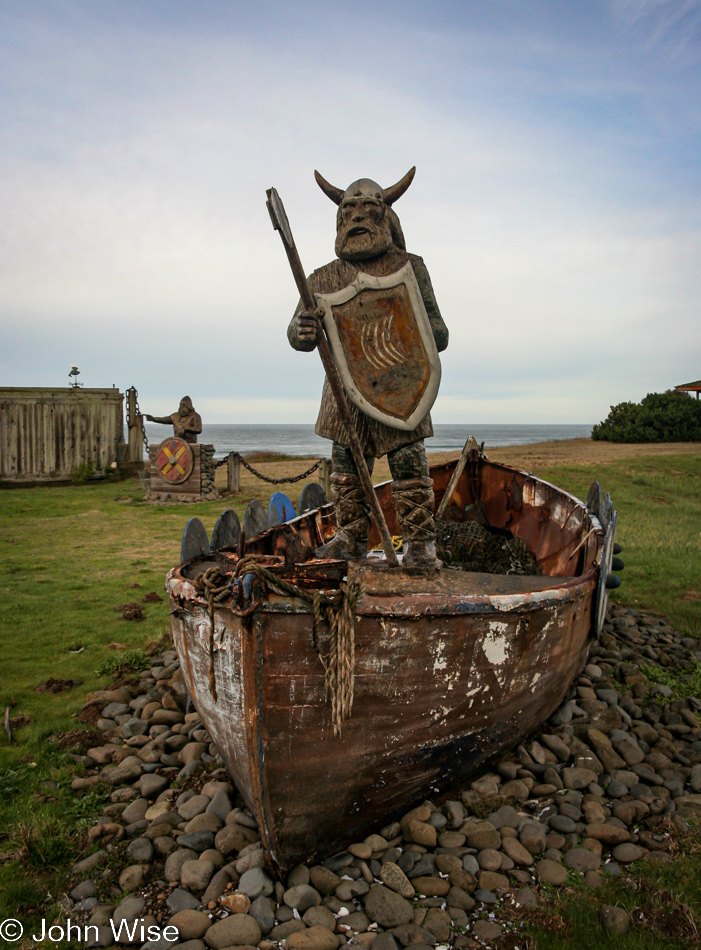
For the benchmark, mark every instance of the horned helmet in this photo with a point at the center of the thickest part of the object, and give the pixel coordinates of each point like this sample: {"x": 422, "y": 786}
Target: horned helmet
{"x": 366, "y": 224}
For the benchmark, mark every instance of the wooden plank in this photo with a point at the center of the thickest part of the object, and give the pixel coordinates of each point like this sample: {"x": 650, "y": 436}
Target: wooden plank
{"x": 48, "y": 433}
{"x": 469, "y": 445}
{"x": 192, "y": 487}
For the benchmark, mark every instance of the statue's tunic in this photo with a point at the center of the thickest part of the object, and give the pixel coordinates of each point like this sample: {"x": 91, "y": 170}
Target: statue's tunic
{"x": 376, "y": 438}
{"x": 187, "y": 427}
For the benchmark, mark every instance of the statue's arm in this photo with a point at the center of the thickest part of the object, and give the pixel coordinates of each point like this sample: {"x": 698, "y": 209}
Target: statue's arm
{"x": 302, "y": 331}
{"x": 440, "y": 330}
{"x": 303, "y": 327}
{"x": 162, "y": 420}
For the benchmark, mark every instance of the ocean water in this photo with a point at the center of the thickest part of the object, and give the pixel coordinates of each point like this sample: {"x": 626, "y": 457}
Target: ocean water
{"x": 302, "y": 440}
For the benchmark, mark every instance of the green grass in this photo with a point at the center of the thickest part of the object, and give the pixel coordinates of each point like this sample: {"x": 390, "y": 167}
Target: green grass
{"x": 133, "y": 659}
{"x": 659, "y": 527}
{"x": 683, "y": 684}
{"x": 664, "y": 901}
{"x": 69, "y": 556}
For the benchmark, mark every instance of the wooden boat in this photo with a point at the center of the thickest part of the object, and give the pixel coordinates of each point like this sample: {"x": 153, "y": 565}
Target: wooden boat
{"x": 451, "y": 668}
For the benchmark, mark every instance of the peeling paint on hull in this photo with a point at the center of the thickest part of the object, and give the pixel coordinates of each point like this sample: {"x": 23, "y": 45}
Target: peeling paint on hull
{"x": 447, "y": 676}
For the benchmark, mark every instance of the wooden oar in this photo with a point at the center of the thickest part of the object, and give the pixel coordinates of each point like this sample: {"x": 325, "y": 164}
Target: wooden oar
{"x": 282, "y": 225}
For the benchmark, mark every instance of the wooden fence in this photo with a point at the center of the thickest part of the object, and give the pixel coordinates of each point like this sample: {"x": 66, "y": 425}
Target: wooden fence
{"x": 46, "y": 434}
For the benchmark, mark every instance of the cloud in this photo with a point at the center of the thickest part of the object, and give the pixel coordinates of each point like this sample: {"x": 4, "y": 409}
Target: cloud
{"x": 672, "y": 26}
{"x": 554, "y": 211}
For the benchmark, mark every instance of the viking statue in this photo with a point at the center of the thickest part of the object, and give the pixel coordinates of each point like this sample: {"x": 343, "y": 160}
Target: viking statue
{"x": 385, "y": 373}
{"x": 187, "y": 424}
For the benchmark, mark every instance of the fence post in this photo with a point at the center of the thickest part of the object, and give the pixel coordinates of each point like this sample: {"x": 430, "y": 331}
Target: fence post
{"x": 325, "y": 477}
{"x": 233, "y": 474}
{"x": 136, "y": 428}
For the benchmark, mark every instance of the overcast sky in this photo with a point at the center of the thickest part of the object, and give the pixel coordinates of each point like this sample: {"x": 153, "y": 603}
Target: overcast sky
{"x": 556, "y": 198}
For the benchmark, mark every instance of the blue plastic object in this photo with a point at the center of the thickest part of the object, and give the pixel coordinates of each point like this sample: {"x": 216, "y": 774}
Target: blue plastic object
{"x": 280, "y": 509}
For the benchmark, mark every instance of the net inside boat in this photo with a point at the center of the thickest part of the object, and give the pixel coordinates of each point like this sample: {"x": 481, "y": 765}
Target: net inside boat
{"x": 468, "y": 546}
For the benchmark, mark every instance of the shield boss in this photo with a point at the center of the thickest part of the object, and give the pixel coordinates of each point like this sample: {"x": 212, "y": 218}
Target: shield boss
{"x": 174, "y": 460}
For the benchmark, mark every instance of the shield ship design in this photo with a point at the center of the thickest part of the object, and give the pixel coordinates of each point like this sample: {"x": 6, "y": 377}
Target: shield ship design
{"x": 381, "y": 339}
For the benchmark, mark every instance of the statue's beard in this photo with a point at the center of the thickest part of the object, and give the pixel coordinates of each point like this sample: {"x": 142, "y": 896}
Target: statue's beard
{"x": 373, "y": 240}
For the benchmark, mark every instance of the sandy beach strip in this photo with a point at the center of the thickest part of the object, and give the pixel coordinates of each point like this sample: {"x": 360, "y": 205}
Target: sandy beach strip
{"x": 577, "y": 452}
{"x": 540, "y": 455}
{"x": 535, "y": 456}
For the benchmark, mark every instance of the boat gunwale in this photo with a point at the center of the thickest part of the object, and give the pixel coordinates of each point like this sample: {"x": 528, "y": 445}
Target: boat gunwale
{"x": 402, "y": 604}
{"x": 425, "y": 604}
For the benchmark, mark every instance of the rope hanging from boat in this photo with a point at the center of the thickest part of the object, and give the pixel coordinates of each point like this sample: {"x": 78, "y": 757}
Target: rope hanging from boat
{"x": 337, "y": 608}
{"x": 340, "y": 666}
{"x": 216, "y": 588}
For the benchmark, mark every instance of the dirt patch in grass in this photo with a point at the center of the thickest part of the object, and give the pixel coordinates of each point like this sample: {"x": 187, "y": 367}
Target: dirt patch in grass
{"x": 77, "y": 740}
{"x": 122, "y": 680}
{"x": 18, "y": 721}
{"x": 52, "y": 685}
{"x": 131, "y": 611}
{"x": 151, "y": 598}
{"x": 517, "y": 941}
{"x": 543, "y": 920}
{"x": 662, "y": 913}
{"x": 90, "y": 714}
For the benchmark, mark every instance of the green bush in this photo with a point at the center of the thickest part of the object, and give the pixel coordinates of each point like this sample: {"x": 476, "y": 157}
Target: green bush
{"x": 84, "y": 471}
{"x": 659, "y": 417}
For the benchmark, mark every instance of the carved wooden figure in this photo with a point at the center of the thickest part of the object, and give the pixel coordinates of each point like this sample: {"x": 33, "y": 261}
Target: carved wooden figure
{"x": 385, "y": 330}
{"x": 187, "y": 424}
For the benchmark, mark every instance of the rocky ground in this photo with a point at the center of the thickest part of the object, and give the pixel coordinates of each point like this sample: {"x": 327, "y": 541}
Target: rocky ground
{"x": 611, "y": 779}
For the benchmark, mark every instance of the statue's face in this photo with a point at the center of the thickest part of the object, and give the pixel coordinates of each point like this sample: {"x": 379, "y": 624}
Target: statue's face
{"x": 183, "y": 410}
{"x": 364, "y": 230}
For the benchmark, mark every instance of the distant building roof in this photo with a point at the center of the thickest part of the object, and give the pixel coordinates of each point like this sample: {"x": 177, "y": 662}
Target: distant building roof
{"x": 690, "y": 387}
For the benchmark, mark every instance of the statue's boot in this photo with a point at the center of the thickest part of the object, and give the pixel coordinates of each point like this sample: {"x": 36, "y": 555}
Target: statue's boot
{"x": 413, "y": 501}
{"x": 350, "y": 543}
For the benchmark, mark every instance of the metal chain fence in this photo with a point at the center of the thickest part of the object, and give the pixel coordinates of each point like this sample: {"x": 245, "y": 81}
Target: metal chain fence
{"x": 266, "y": 478}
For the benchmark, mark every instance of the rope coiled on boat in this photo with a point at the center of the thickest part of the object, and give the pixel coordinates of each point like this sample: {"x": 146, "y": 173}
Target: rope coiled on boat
{"x": 337, "y": 608}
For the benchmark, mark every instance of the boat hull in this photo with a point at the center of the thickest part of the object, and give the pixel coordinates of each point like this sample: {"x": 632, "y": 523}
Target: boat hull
{"x": 451, "y": 667}
{"x": 445, "y": 679}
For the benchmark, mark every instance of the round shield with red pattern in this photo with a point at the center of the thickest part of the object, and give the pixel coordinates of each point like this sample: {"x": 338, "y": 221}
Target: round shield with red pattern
{"x": 174, "y": 460}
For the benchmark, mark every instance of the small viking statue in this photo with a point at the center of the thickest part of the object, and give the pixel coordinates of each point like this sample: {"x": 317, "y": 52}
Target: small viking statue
{"x": 384, "y": 329}
{"x": 187, "y": 424}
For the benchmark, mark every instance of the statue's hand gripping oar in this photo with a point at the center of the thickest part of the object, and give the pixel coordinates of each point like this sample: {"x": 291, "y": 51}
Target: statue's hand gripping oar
{"x": 281, "y": 224}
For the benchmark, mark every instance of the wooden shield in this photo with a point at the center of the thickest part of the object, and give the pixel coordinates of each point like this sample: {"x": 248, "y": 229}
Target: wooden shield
{"x": 382, "y": 342}
{"x": 602, "y": 594}
{"x": 174, "y": 460}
